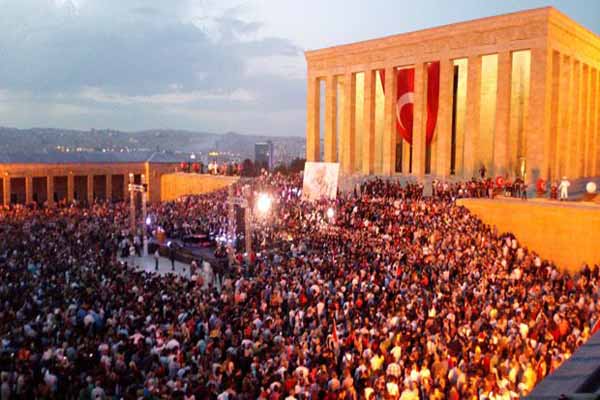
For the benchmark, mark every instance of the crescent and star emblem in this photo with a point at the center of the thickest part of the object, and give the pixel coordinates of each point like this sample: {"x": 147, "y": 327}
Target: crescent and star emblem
{"x": 406, "y": 98}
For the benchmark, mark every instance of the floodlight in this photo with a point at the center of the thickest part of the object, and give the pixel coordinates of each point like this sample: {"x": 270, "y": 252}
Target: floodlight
{"x": 263, "y": 203}
{"x": 330, "y": 213}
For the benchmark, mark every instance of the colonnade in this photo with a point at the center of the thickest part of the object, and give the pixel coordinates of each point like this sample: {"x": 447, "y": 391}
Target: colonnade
{"x": 574, "y": 144}
{"x": 518, "y": 94}
{"x": 71, "y": 188}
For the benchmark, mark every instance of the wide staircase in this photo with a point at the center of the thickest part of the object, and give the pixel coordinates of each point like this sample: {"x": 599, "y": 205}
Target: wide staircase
{"x": 576, "y": 378}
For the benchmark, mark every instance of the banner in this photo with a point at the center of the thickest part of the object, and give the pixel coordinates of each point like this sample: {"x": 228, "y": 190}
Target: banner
{"x": 406, "y": 97}
{"x": 433, "y": 99}
{"x": 320, "y": 180}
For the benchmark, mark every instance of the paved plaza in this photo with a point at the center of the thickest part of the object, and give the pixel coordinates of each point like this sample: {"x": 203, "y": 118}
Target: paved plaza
{"x": 147, "y": 264}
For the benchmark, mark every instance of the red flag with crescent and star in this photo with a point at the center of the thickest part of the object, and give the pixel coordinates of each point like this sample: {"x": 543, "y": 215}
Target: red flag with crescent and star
{"x": 334, "y": 333}
{"x": 406, "y": 97}
{"x": 596, "y": 327}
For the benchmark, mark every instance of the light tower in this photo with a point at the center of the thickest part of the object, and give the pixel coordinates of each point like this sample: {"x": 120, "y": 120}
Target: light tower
{"x": 143, "y": 190}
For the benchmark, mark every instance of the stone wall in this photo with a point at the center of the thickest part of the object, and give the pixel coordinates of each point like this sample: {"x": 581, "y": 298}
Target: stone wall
{"x": 180, "y": 184}
{"x": 154, "y": 173}
{"x": 566, "y": 233}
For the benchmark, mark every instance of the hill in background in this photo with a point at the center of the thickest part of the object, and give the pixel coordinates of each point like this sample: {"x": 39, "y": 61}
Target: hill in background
{"x": 45, "y": 140}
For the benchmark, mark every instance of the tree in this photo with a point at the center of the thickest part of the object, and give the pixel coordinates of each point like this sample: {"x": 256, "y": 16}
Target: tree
{"x": 248, "y": 168}
{"x": 296, "y": 165}
{"x": 281, "y": 168}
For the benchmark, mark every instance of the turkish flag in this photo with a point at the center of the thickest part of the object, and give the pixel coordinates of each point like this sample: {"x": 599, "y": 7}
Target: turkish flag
{"x": 596, "y": 327}
{"x": 499, "y": 181}
{"x": 433, "y": 98}
{"x": 334, "y": 333}
{"x": 406, "y": 97}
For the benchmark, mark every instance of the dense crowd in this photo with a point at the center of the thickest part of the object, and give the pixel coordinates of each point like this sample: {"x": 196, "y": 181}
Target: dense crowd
{"x": 395, "y": 296}
{"x": 479, "y": 188}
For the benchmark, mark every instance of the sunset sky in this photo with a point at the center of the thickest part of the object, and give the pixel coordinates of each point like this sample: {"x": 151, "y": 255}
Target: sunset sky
{"x": 200, "y": 65}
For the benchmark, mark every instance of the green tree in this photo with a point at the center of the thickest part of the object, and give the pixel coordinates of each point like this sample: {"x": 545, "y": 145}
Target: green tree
{"x": 297, "y": 165}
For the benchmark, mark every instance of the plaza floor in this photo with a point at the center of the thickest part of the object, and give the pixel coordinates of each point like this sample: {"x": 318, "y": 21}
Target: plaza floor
{"x": 147, "y": 264}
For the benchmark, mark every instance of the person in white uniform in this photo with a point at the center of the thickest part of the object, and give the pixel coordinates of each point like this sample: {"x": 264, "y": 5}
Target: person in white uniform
{"x": 564, "y": 188}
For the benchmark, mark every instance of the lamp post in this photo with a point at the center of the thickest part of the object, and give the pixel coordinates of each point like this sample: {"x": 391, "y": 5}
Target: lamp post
{"x": 230, "y": 225}
{"x": 192, "y": 160}
{"x": 133, "y": 189}
{"x": 263, "y": 205}
{"x": 131, "y": 204}
{"x": 144, "y": 214}
{"x": 246, "y": 192}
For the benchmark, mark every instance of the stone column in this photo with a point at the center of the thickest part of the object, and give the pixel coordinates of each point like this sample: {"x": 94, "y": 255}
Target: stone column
{"x": 538, "y": 124}
{"x": 28, "y": 189}
{"x": 444, "y": 122}
{"x": 331, "y": 119}
{"x": 472, "y": 120}
{"x": 125, "y": 186}
{"x": 109, "y": 187}
{"x": 574, "y": 121}
{"x": 50, "y": 190}
{"x": 70, "y": 187}
{"x": 368, "y": 145}
{"x": 553, "y": 92}
{"x": 591, "y": 120}
{"x": 582, "y": 138}
{"x": 406, "y": 149}
{"x": 90, "y": 188}
{"x": 502, "y": 126}
{"x": 349, "y": 124}
{"x": 419, "y": 120}
{"x": 390, "y": 132}
{"x": 565, "y": 108}
{"x": 6, "y": 190}
{"x": 594, "y": 167}
{"x": 313, "y": 134}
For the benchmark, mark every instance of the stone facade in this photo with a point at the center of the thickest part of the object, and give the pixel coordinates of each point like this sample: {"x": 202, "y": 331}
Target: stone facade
{"x": 175, "y": 185}
{"x": 565, "y": 233}
{"x": 51, "y": 183}
{"x": 519, "y": 93}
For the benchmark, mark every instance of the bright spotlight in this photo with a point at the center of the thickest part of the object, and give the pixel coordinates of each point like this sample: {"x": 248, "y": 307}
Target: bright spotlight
{"x": 330, "y": 213}
{"x": 263, "y": 204}
{"x": 591, "y": 187}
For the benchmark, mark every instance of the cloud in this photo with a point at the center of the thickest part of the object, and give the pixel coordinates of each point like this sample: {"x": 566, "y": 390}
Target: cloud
{"x": 145, "y": 11}
{"x": 140, "y": 55}
{"x": 175, "y": 97}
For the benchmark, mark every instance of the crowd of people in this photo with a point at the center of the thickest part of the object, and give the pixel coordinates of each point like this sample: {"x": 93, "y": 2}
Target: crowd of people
{"x": 394, "y": 296}
{"x": 213, "y": 168}
{"x": 479, "y": 188}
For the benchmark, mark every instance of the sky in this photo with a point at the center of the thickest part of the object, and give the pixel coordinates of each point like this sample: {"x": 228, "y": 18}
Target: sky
{"x": 202, "y": 65}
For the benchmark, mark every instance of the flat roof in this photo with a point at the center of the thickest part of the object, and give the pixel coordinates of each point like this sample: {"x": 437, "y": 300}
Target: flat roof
{"x": 547, "y": 13}
{"x": 91, "y": 157}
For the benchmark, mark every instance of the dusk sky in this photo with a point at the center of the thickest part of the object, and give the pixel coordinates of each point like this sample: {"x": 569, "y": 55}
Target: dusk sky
{"x": 201, "y": 65}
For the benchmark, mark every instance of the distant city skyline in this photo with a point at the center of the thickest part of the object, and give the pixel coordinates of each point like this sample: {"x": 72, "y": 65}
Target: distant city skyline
{"x": 201, "y": 65}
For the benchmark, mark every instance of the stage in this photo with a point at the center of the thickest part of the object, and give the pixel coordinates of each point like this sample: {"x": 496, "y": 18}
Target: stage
{"x": 186, "y": 252}
{"x": 568, "y": 233}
